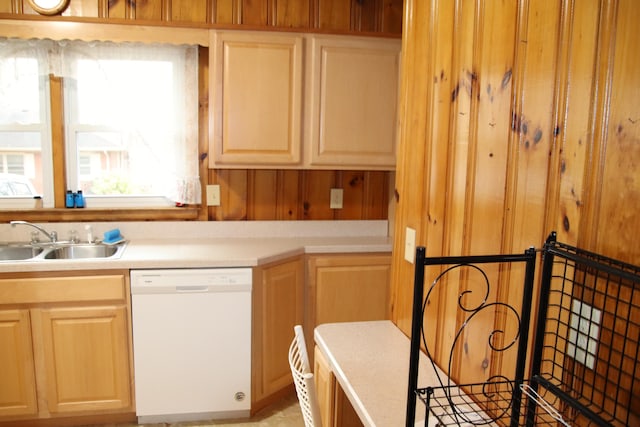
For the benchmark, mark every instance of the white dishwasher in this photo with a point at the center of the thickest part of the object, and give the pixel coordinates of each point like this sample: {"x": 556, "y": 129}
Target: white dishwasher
{"x": 191, "y": 343}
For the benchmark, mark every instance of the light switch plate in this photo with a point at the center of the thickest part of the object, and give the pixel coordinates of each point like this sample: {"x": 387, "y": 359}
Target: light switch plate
{"x": 336, "y": 198}
{"x": 410, "y": 245}
{"x": 213, "y": 195}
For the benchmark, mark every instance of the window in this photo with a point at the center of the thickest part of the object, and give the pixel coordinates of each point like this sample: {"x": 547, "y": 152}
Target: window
{"x": 25, "y": 142}
{"x": 130, "y": 119}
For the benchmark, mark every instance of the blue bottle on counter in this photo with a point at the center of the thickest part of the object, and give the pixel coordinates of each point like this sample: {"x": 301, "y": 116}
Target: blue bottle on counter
{"x": 70, "y": 200}
{"x": 79, "y": 199}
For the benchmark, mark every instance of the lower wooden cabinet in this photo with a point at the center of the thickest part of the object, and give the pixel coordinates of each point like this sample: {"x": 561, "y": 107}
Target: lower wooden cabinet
{"x": 335, "y": 408}
{"x": 277, "y": 307}
{"x": 343, "y": 288}
{"x": 346, "y": 288}
{"x": 86, "y": 359}
{"x": 18, "y": 384}
{"x": 338, "y": 288}
{"x": 65, "y": 347}
{"x": 325, "y": 387}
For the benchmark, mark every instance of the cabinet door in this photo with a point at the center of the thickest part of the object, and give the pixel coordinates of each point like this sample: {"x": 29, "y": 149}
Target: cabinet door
{"x": 17, "y": 377}
{"x": 86, "y": 354}
{"x": 347, "y": 288}
{"x": 278, "y": 303}
{"x": 256, "y": 91}
{"x": 335, "y": 408}
{"x": 325, "y": 387}
{"x": 353, "y": 103}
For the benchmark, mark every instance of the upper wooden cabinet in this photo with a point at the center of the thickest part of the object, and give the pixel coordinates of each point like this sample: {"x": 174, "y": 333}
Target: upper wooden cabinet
{"x": 352, "y": 101}
{"x": 333, "y": 107}
{"x": 257, "y": 99}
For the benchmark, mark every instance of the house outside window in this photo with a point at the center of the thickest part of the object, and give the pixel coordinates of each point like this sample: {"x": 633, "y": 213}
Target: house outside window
{"x": 24, "y": 129}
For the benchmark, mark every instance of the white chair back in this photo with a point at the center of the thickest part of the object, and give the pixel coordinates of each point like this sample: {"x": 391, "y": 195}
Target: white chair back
{"x": 303, "y": 379}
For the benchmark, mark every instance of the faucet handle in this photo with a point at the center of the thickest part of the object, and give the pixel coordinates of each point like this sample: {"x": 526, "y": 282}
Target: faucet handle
{"x": 89, "y": 229}
{"x": 54, "y": 236}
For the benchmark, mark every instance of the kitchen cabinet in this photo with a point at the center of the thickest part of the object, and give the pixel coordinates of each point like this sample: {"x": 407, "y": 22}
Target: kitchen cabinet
{"x": 67, "y": 340}
{"x": 256, "y": 88}
{"x": 338, "y": 287}
{"x": 335, "y": 407}
{"x": 325, "y": 383}
{"x": 352, "y": 102}
{"x": 331, "y": 107}
{"x": 347, "y": 288}
{"x": 85, "y": 364}
{"x": 18, "y": 385}
{"x": 277, "y": 307}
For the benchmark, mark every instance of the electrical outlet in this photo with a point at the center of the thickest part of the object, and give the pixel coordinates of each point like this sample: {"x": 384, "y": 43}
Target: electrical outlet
{"x": 410, "y": 245}
{"x": 336, "y": 198}
{"x": 584, "y": 333}
{"x": 213, "y": 195}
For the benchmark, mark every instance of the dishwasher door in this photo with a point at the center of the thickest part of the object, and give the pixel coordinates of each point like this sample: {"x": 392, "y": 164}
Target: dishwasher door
{"x": 191, "y": 343}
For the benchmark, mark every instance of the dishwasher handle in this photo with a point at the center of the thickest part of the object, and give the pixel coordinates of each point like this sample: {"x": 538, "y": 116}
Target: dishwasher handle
{"x": 166, "y": 288}
{"x": 181, "y": 289}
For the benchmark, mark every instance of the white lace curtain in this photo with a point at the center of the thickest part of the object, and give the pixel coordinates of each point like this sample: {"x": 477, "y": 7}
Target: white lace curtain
{"x": 176, "y": 154}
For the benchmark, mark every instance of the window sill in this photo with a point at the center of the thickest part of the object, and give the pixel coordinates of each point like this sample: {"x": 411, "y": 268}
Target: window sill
{"x": 189, "y": 213}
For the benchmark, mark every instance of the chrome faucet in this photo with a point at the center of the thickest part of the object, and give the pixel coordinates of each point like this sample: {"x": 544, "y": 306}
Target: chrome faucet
{"x": 52, "y": 236}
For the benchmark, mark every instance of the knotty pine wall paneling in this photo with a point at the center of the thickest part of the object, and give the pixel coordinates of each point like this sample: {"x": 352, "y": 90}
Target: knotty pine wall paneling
{"x": 299, "y": 194}
{"x": 189, "y": 10}
{"x": 517, "y": 118}
{"x": 614, "y": 225}
{"x": 273, "y": 194}
{"x": 316, "y": 194}
{"x": 335, "y": 15}
{"x": 365, "y": 195}
{"x": 233, "y": 194}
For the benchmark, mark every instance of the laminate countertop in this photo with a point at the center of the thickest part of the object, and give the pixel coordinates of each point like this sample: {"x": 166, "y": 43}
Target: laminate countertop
{"x": 370, "y": 361}
{"x": 251, "y": 247}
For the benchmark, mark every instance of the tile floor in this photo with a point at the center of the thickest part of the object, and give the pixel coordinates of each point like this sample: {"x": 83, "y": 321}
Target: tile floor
{"x": 285, "y": 413}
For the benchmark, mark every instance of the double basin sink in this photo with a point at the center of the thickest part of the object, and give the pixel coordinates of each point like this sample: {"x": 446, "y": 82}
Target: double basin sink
{"x": 24, "y": 251}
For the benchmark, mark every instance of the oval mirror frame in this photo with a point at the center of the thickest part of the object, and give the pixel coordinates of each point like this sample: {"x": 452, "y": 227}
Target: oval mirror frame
{"x": 48, "y": 7}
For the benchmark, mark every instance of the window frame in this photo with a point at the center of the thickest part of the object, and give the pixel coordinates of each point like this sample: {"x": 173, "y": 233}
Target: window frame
{"x": 178, "y": 71}
{"x": 46, "y": 151}
{"x": 101, "y": 31}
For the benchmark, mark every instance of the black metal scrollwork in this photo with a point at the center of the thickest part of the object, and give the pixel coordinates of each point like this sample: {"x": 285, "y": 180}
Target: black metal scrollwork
{"x": 506, "y": 328}
{"x": 494, "y": 387}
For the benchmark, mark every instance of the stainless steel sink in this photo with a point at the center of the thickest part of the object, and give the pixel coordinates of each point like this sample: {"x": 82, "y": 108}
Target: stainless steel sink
{"x": 18, "y": 252}
{"x": 81, "y": 251}
{"x": 58, "y": 251}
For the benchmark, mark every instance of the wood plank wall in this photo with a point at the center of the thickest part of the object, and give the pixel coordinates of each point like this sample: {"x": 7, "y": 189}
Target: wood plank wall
{"x": 299, "y": 195}
{"x": 337, "y": 15}
{"x": 272, "y": 194}
{"x": 518, "y": 117}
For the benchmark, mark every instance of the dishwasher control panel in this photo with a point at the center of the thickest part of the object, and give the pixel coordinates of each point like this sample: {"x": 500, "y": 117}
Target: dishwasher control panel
{"x": 205, "y": 280}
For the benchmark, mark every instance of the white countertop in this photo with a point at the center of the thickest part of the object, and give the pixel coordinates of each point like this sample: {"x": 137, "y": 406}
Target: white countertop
{"x": 371, "y": 362}
{"x": 212, "y": 244}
